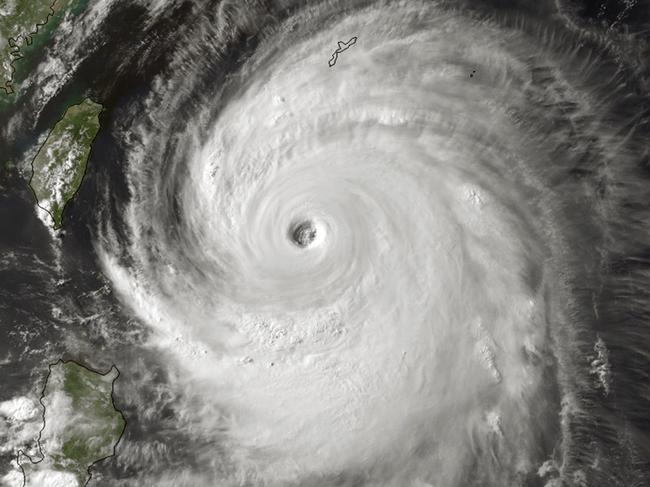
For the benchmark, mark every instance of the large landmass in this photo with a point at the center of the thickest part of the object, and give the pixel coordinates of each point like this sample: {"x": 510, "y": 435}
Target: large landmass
{"x": 21, "y": 21}
{"x": 60, "y": 164}
{"x": 81, "y": 426}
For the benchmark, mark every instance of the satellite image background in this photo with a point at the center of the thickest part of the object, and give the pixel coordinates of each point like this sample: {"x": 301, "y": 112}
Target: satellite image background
{"x": 425, "y": 264}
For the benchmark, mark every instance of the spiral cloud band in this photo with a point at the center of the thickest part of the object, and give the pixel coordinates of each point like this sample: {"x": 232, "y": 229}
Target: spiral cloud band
{"x": 356, "y": 271}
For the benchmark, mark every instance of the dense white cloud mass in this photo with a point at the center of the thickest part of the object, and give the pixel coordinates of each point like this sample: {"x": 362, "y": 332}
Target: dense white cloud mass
{"x": 406, "y": 334}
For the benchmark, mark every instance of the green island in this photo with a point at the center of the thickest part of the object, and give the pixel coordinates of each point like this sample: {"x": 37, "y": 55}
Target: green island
{"x": 60, "y": 164}
{"x": 21, "y": 23}
{"x": 81, "y": 426}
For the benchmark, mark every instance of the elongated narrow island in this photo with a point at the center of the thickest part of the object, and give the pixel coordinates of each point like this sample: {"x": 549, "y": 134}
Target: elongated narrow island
{"x": 80, "y": 426}
{"x": 60, "y": 164}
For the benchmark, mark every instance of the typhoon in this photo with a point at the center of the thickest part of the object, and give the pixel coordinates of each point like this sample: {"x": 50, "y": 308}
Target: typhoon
{"x": 398, "y": 269}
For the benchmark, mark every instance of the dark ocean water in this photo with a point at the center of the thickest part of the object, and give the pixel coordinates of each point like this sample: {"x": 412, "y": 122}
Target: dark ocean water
{"x": 56, "y": 303}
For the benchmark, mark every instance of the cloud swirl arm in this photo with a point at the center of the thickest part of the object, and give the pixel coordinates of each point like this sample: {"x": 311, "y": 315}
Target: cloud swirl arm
{"x": 368, "y": 269}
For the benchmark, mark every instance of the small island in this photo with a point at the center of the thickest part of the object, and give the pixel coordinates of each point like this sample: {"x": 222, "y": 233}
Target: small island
{"x": 60, "y": 164}
{"x": 81, "y": 426}
{"x": 340, "y": 47}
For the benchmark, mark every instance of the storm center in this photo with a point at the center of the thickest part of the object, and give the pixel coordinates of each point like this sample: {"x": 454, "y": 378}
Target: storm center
{"x": 304, "y": 233}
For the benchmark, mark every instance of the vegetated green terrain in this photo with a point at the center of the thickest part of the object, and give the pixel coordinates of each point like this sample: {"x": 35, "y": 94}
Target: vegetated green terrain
{"x": 60, "y": 164}
{"x": 81, "y": 427}
{"x": 20, "y": 22}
